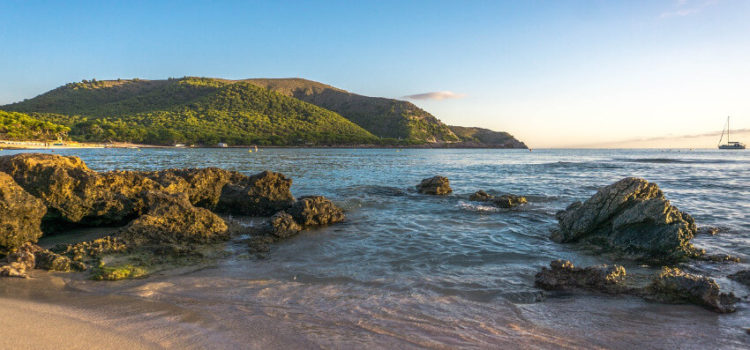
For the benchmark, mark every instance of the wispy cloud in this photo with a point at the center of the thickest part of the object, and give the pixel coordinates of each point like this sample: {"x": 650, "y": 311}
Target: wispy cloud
{"x": 437, "y": 95}
{"x": 684, "y": 8}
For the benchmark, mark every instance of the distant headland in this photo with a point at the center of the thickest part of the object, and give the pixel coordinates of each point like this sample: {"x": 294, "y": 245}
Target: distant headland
{"x": 211, "y": 112}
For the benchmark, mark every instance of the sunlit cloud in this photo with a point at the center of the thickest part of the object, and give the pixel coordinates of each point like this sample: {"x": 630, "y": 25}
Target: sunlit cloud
{"x": 437, "y": 95}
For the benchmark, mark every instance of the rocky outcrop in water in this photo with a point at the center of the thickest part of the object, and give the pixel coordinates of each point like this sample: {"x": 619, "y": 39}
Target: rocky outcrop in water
{"x": 505, "y": 201}
{"x": 437, "y": 185}
{"x": 630, "y": 216}
{"x": 676, "y": 286}
{"x": 258, "y": 195}
{"x": 670, "y": 286}
{"x": 562, "y": 275}
{"x": 20, "y": 215}
{"x": 171, "y": 218}
{"x": 168, "y": 213}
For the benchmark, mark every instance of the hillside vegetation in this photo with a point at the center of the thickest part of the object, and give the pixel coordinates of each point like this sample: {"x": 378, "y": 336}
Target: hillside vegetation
{"x": 381, "y": 116}
{"x": 190, "y": 110}
{"x": 206, "y": 111}
{"x": 20, "y": 126}
{"x": 486, "y": 137}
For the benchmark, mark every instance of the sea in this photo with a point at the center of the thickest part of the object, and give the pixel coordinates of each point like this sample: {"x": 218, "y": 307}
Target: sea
{"x": 407, "y": 270}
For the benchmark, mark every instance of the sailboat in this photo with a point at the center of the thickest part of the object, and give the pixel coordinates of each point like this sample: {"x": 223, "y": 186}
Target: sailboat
{"x": 729, "y": 144}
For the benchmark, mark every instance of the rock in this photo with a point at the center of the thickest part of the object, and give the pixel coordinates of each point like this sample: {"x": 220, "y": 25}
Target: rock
{"x": 258, "y": 195}
{"x": 481, "y": 196}
{"x": 741, "y": 277}
{"x": 708, "y": 230}
{"x": 675, "y": 285}
{"x": 508, "y": 201}
{"x": 633, "y": 217}
{"x": 20, "y": 216}
{"x": 48, "y": 260}
{"x": 282, "y": 225}
{"x": 85, "y": 251}
{"x": 203, "y": 186}
{"x": 562, "y": 275}
{"x": 315, "y": 211}
{"x": 173, "y": 219}
{"x": 75, "y": 194}
{"x": 437, "y": 185}
{"x": 20, "y": 261}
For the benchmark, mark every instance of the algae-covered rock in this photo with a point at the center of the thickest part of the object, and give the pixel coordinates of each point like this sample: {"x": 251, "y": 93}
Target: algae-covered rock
{"x": 676, "y": 286}
{"x": 631, "y": 216}
{"x": 282, "y": 225}
{"x": 115, "y": 273}
{"x": 85, "y": 251}
{"x": 203, "y": 186}
{"x": 436, "y": 185}
{"x": 173, "y": 219}
{"x": 258, "y": 195}
{"x": 75, "y": 194}
{"x": 316, "y": 211}
{"x": 508, "y": 201}
{"x": 563, "y": 275}
{"x": 20, "y": 216}
{"x": 48, "y": 260}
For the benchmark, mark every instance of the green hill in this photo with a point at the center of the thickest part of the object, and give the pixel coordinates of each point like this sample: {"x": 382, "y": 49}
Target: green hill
{"x": 486, "y": 137}
{"x": 20, "y": 126}
{"x": 207, "y": 111}
{"x": 190, "y": 110}
{"x": 381, "y": 116}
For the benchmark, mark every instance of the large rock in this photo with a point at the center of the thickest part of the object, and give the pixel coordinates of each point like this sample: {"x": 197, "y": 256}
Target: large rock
{"x": 258, "y": 195}
{"x": 563, "y": 275}
{"x": 73, "y": 193}
{"x": 677, "y": 286}
{"x": 172, "y": 219}
{"x": 633, "y": 217}
{"x": 315, "y": 211}
{"x": 437, "y": 185}
{"x": 20, "y": 215}
{"x": 203, "y": 186}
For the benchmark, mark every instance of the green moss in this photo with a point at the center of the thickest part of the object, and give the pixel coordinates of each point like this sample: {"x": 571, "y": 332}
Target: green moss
{"x": 107, "y": 273}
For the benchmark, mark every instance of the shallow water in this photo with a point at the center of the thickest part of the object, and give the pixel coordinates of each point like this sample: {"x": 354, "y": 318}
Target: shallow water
{"x": 407, "y": 270}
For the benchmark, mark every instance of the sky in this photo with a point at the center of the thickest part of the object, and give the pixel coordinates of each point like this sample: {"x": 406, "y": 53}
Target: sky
{"x": 552, "y": 73}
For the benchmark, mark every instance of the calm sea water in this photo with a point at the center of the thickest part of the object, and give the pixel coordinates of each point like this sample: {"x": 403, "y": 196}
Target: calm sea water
{"x": 408, "y": 270}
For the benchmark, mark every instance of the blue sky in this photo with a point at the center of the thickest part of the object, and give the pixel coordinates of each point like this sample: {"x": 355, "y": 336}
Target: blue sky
{"x": 553, "y": 73}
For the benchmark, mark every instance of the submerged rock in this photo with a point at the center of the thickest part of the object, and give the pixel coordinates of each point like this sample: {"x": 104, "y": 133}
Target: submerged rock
{"x": 508, "y": 201}
{"x": 258, "y": 195}
{"x": 316, "y": 211}
{"x": 677, "y": 286}
{"x": 20, "y": 215}
{"x": 633, "y": 217}
{"x": 282, "y": 225}
{"x": 562, "y": 275}
{"x": 437, "y": 185}
{"x": 741, "y": 277}
{"x": 173, "y": 219}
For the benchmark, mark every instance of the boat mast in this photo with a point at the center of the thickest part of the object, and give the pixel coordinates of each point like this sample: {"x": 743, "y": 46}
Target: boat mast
{"x": 729, "y": 139}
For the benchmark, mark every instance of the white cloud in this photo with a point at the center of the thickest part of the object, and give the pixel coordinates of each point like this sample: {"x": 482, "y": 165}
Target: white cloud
{"x": 437, "y": 95}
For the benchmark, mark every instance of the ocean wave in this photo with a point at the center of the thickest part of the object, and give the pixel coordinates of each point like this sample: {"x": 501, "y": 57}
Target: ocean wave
{"x": 675, "y": 160}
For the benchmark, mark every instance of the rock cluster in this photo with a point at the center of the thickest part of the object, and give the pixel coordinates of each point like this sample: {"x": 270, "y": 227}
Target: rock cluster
{"x": 633, "y": 217}
{"x": 671, "y": 285}
{"x": 505, "y": 201}
{"x": 437, "y": 185}
{"x": 165, "y": 211}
